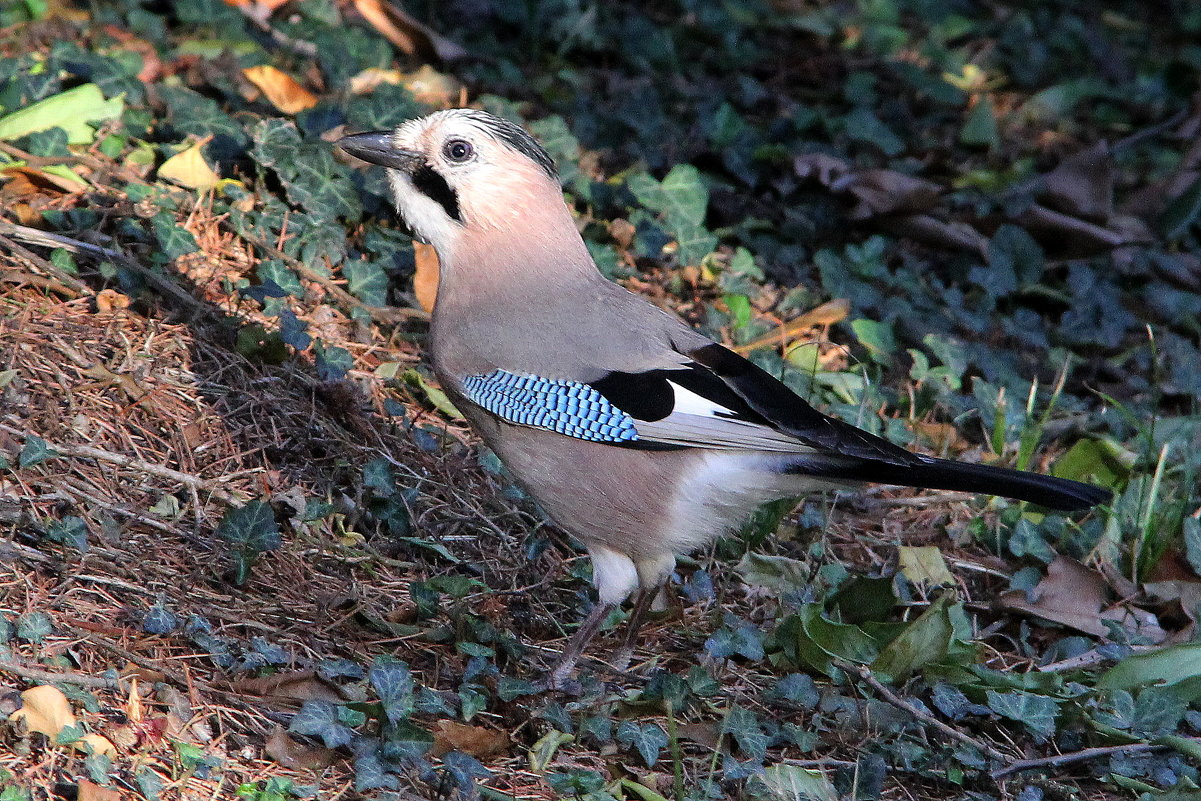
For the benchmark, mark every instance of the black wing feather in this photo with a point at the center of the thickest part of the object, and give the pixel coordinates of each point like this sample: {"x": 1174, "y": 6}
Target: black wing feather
{"x": 786, "y": 411}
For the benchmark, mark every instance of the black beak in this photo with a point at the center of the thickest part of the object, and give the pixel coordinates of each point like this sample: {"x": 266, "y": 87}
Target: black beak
{"x": 376, "y": 147}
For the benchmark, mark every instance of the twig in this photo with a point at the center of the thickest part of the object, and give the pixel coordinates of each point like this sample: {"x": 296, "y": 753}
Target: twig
{"x": 88, "y": 452}
{"x": 253, "y": 13}
{"x": 1088, "y": 659}
{"x": 34, "y": 236}
{"x": 900, "y": 703}
{"x": 391, "y": 315}
{"x": 136, "y": 658}
{"x": 1075, "y": 756}
{"x": 21, "y": 252}
{"x": 37, "y": 674}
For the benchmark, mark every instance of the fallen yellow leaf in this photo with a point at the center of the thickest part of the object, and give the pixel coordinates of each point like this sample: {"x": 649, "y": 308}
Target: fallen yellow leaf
{"x": 45, "y": 710}
{"x": 189, "y": 169}
{"x": 99, "y": 743}
{"x": 280, "y": 88}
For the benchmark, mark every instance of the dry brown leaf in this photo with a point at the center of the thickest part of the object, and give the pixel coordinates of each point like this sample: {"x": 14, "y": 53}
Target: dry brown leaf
{"x": 1076, "y": 596}
{"x": 288, "y": 687}
{"x": 45, "y": 710}
{"x": 280, "y": 88}
{"x": 1074, "y": 234}
{"x": 189, "y": 169}
{"x": 41, "y": 182}
{"x": 425, "y": 279}
{"x": 828, "y": 313}
{"x": 1071, "y": 594}
{"x": 1082, "y": 184}
{"x": 942, "y": 437}
{"x": 476, "y": 741}
{"x": 939, "y": 233}
{"x": 432, "y": 87}
{"x": 406, "y": 32}
{"x": 267, "y": 5}
{"x": 133, "y": 703}
{"x": 372, "y": 78}
{"x": 879, "y": 192}
{"x": 106, "y": 376}
{"x": 90, "y": 791}
{"x": 291, "y": 754}
{"x": 109, "y": 299}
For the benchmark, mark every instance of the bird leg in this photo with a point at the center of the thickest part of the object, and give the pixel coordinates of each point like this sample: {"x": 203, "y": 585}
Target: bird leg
{"x": 556, "y": 679}
{"x": 643, "y": 603}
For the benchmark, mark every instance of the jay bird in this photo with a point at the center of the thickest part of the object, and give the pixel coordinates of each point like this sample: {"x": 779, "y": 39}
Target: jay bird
{"x": 638, "y": 435}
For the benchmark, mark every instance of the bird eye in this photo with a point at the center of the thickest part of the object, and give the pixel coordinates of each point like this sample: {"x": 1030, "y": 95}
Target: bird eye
{"x": 458, "y": 150}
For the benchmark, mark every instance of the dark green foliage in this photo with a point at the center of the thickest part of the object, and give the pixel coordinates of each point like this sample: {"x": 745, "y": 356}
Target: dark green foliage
{"x": 250, "y": 530}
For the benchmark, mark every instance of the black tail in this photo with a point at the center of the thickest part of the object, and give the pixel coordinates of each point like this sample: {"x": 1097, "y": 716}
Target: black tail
{"x": 944, "y": 474}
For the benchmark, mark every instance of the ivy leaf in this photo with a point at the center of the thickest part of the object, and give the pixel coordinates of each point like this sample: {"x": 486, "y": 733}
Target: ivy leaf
{"x": 281, "y": 275}
{"x": 189, "y": 112}
{"x": 35, "y": 451}
{"x": 799, "y": 689}
{"x": 1013, "y": 250}
{"x": 393, "y": 682}
{"x": 864, "y": 126}
{"x": 174, "y": 240}
{"x": 339, "y": 668}
{"x": 34, "y": 627}
{"x": 312, "y": 179}
{"x": 320, "y": 719}
{"x": 647, "y": 738}
{"x": 332, "y": 362}
{"x": 742, "y": 724}
{"x": 371, "y": 774}
{"x": 378, "y": 475}
{"x": 464, "y": 770}
{"x": 743, "y": 640}
{"x": 252, "y": 526}
{"x": 953, "y": 703}
{"x": 1036, "y": 712}
{"x": 980, "y": 129}
{"x": 251, "y": 530}
{"x": 150, "y": 784}
{"x": 71, "y": 531}
{"x": 366, "y": 281}
{"x": 159, "y": 620}
{"x": 293, "y": 331}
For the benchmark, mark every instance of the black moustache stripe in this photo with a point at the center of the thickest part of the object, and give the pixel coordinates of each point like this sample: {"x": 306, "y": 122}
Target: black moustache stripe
{"x": 434, "y": 186}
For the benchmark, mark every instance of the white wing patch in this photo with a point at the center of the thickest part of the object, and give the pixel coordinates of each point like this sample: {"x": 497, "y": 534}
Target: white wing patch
{"x": 697, "y": 422}
{"x": 688, "y": 402}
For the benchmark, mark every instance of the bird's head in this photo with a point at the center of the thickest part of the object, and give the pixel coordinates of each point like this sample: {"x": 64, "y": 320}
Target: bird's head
{"x": 462, "y": 173}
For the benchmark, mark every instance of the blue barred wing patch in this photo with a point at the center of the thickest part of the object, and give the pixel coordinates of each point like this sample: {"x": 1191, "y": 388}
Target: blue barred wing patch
{"x": 567, "y": 407}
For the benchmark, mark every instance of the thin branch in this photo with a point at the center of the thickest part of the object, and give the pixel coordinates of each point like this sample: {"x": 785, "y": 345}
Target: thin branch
{"x": 1075, "y": 756}
{"x": 922, "y": 715}
{"x": 37, "y": 674}
{"x": 391, "y": 315}
{"x": 89, "y": 452}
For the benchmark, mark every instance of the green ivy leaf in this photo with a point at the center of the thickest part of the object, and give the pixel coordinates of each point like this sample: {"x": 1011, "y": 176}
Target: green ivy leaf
{"x": 35, "y": 451}
{"x": 366, "y": 281}
{"x": 394, "y": 684}
{"x": 742, "y": 724}
{"x": 320, "y": 719}
{"x": 648, "y": 739}
{"x": 980, "y": 128}
{"x": 1014, "y": 252}
{"x": 34, "y": 627}
{"x": 174, "y": 240}
{"x": 1036, "y": 712}
{"x": 71, "y": 531}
